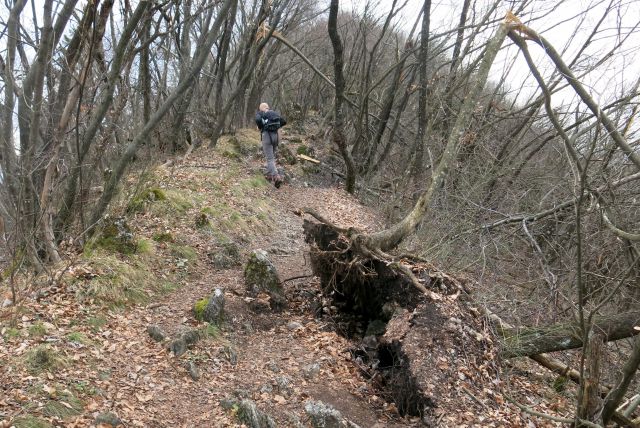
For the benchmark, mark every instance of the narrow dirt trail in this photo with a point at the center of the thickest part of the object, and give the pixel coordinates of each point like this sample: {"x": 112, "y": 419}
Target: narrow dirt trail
{"x": 256, "y": 351}
{"x": 278, "y": 360}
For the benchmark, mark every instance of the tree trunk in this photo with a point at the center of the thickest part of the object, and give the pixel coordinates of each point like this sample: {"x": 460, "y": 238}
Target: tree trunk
{"x": 616, "y": 395}
{"x": 560, "y": 337}
{"x": 589, "y": 396}
{"x": 417, "y": 165}
{"x": 338, "y": 118}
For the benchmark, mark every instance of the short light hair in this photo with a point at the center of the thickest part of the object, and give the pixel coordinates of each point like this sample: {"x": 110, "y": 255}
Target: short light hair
{"x": 264, "y": 107}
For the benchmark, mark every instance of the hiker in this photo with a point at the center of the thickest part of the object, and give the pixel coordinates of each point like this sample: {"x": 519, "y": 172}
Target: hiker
{"x": 269, "y": 122}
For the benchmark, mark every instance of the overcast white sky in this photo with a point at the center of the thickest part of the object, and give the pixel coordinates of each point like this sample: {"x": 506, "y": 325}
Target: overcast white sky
{"x": 557, "y": 22}
{"x": 558, "y": 27}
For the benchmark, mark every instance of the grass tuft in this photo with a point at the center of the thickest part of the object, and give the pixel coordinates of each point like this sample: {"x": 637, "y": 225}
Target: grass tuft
{"x": 29, "y": 421}
{"x": 66, "y": 406}
{"x": 43, "y": 358}
{"x": 37, "y": 330}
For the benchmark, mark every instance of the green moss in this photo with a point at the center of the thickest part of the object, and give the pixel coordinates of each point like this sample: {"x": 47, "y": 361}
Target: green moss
{"x": 163, "y": 237}
{"x": 199, "y": 307}
{"x": 29, "y": 421}
{"x": 37, "y": 330}
{"x": 43, "y": 358}
{"x": 139, "y": 201}
{"x": 210, "y": 331}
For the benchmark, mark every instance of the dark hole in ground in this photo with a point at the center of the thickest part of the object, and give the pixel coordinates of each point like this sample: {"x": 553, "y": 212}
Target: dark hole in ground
{"x": 364, "y": 295}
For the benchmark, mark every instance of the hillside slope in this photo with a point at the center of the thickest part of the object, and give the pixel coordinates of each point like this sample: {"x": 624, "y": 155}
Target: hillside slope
{"x": 77, "y": 346}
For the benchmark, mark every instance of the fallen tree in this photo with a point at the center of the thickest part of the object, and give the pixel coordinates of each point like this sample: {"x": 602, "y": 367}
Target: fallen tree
{"x": 521, "y": 342}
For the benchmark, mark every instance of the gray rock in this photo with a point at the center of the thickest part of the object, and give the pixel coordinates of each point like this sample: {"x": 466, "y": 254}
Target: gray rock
{"x": 228, "y": 403}
{"x": 273, "y": 366}
{"x": 266, "y": 388}
{"x": 190, "y": 337}
{"x": 108, "y": 418}
{"x": 178, "y": 347}
{"x": 193, "y": 370}
{"x": 226, "y": 257}
{"x": 322, "y": 415}
{"x": 284, "y": 385}
{"x": 294, "y": 325}
{"x": 310, "y": 371}
{"x": 156, "y": 333}
{"x": 214, "y": 311}
{"x": 230, "y": 354}
{"x": 241, "y": 393}
{"x": 249, "y": 414}
{"x": 260, "y": 275}
{"x": 295, "y": 422}
{"x": 7, "y": 303}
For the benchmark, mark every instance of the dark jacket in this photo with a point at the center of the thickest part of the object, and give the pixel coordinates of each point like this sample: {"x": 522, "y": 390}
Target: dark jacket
{"x": 269, "y": 115}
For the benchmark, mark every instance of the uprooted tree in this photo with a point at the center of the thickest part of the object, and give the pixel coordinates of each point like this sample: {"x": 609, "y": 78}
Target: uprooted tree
{"x": 358, "y": 267}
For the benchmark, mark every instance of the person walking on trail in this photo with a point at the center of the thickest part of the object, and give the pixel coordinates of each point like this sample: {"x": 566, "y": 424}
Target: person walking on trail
{"x": 269, "y": 122}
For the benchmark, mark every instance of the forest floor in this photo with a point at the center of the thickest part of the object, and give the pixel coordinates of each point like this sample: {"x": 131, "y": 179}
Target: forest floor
{"x": 76, "y": 346}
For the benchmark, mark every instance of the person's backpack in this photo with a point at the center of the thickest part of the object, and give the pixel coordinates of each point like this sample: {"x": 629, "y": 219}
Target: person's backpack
{"x": 271, "y": 121}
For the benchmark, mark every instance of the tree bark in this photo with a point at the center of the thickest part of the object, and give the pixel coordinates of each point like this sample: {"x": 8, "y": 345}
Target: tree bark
{"x": 338, "y": 117}
{"x": 561, "y": 337}
{"x": 616, "y": 395}
{"x": 589, "y": 396}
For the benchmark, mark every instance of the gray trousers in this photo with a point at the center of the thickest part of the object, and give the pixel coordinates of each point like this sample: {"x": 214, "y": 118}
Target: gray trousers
{"x": 269, "y": 147}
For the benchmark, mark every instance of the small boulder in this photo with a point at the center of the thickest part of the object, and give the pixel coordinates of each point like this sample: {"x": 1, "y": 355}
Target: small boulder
{"x": 310, "y": 371}
{"x": 190, "y": 337}
{"x": 284, "y": 385}
{"x": 178, "y": 347}
{"x": 193, "y": 370}
{"x": 156, "y": 333}
{"x": 260, "y": 275}
{"x": 250, "y": 415}
{"x": 294, "y": 325}
{"x": 227, "y": 256}
{"x": 322, "y": 415}
{"x": 108, "y": 418}
{"x": 214, "y": 311}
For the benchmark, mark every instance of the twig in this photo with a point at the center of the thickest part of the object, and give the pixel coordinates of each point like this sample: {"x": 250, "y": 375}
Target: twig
{"x": 296, "y": 277}
{"x": 550, "y": 417}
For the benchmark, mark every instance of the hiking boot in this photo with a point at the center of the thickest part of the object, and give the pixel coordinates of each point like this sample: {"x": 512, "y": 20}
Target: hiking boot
{"x": 277, "y": 181}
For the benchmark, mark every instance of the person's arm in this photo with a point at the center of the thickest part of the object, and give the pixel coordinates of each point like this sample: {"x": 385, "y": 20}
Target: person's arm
{"x": 259, "y": 121}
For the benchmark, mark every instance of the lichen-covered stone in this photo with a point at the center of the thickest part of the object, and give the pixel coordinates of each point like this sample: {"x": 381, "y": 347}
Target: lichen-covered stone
{"x": 193, "y": 370}
{"x": 225, "y": 257}
{"x": 260, "y": 275}
{"x": 214, "y": 310}
{"x": 156, "y": 333}
{"x": 250, "y": 415}
{"x": 322, "y": 415}
{"x": 178, "y": 347}
{"x": 108, "y": 418}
